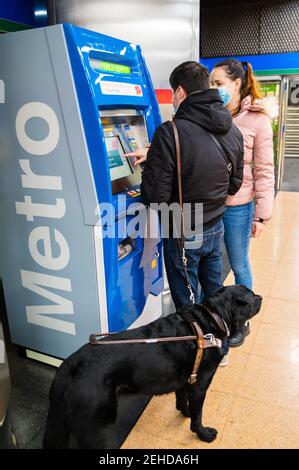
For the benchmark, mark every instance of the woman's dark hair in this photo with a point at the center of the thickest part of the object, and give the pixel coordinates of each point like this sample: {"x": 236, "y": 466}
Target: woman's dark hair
{"x": 243, "y": 70}
{"x": 191, "y": 76}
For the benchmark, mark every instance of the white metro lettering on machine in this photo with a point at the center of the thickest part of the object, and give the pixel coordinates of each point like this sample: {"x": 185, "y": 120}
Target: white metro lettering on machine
{"x": 40, "y": 283}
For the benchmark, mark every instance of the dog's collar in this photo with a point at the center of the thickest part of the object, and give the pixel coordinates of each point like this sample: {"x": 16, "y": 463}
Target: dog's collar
{"x": 219, "y": 320}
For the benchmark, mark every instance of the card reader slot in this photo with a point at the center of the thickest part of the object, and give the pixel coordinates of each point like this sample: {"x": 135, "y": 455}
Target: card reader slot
{"x": 125, "y": 247}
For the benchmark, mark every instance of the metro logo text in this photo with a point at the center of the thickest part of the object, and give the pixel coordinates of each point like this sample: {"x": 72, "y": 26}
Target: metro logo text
{"x": 44, "y": 240}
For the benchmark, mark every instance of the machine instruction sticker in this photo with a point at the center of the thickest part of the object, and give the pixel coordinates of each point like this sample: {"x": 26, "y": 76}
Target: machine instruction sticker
{"x": 120, "y": 88}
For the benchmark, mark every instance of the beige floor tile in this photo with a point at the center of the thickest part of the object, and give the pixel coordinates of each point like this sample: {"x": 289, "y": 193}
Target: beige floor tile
{"x": 230, "y": 279}
{"x": 255, "y": 425}
{"x": 162, "y": 419}
{"x": 285, "y": 289}
{"x": 276, "y": 342}
{"x": 263, "y": 269}
{"x": 294, "y": 231}
{"x": 282, "y": 217}
{"x": 288, "y": 271}
{"x": 271, "y": 381}
{"x": 281, "y": 312}
{"x": 290, "y": 252}
{"x": 277, "y": 230}
{"x": 228, "y": 378}
{"x": 262, "y": 286}
{"x": 287, "y": 196}
{"x": 292, "y": 244}
{"x": 284, "y": 206}
{"x": 265, "y": 249}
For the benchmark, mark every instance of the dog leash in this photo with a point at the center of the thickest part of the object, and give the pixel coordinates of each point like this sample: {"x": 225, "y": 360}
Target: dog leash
{"x": 181, "y": 240}
{"x": 209, "y": 340}
{"x": 202, "y": 342}
{"x": 96, "y": 338}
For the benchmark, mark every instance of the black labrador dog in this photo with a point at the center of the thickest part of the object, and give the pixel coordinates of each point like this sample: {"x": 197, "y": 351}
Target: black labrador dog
{"x": 84, "y": 393}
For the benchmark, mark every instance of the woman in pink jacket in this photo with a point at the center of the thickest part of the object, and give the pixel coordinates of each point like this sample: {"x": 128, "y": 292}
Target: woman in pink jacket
{"x": 248, "y": 211}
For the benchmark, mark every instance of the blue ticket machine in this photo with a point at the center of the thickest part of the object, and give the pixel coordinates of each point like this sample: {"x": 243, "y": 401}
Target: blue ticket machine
{"x": 75, "y": 102}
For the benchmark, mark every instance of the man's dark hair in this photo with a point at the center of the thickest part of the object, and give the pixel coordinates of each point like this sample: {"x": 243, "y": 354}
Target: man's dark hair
{"x": 191, "y": 76}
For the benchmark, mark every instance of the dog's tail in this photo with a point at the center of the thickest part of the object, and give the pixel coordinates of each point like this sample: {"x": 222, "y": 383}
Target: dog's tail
{"x": 57, "y": 432}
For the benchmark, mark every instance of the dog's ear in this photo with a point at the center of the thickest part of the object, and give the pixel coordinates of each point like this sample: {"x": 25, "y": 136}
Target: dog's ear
{"x": 220, "y": 303}
{"x": 215, "y": 299}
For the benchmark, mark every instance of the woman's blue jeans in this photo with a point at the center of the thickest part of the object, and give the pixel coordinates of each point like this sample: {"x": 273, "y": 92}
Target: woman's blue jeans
{"x": 237, "y": 232}
{"x": 238, "y": 222}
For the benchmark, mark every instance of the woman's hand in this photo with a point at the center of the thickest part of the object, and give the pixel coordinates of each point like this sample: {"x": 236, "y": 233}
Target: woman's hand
{"x": 257, "y": 229}
{"x": 139, "y": 156}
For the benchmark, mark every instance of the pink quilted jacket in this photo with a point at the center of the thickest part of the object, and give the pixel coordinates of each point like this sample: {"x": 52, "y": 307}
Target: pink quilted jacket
{"x": 258, "y": 180}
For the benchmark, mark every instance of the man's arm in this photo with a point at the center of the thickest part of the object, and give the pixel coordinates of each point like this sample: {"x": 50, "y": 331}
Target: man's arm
{"x": 236, "y": 180}
{"x": 159, "y": 172}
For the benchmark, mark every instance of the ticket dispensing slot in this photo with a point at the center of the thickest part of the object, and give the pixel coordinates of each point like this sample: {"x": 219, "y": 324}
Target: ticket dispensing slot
{"x": 126, "y": 247}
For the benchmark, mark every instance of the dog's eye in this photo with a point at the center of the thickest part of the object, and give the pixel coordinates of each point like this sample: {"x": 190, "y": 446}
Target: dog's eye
{"x": 242, "y": 302}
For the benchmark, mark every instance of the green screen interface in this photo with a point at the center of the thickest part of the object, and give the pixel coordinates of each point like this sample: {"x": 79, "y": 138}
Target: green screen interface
{"x": 102, "y": 65}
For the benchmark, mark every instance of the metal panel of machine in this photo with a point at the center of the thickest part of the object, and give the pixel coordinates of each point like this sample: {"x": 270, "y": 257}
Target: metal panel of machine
{"x": 166, "y": 30}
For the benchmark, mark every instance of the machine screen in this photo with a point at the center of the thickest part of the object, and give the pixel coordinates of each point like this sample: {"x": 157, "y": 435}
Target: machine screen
{"x": 103, "y": 65}
{"x": 118, "y": 164}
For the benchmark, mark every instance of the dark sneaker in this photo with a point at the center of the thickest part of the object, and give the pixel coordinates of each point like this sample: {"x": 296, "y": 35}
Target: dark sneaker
{"x": 238, "y": 338}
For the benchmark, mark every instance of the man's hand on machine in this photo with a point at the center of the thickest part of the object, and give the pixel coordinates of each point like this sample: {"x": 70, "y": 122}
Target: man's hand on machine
{"x": 139, "y": 156}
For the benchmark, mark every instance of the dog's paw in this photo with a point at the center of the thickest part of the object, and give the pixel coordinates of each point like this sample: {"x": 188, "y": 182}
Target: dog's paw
{"x": 207, "y": 434}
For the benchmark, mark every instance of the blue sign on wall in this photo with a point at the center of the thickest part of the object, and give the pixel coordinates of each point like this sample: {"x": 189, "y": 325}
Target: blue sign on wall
{"x": 30, "y": 12}
{"x": 279, "y": 64}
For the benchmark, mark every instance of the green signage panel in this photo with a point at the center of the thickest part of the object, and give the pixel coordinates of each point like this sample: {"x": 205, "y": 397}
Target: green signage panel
{"x": 7, "y": 26}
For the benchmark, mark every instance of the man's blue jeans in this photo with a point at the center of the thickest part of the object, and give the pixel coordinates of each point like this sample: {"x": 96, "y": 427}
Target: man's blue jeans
{"x": 204, "y": 263}
{"x": 238, "y": 227}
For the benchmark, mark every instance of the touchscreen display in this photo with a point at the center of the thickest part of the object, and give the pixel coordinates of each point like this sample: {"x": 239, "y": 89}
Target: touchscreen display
{"x": 118, "y": 164}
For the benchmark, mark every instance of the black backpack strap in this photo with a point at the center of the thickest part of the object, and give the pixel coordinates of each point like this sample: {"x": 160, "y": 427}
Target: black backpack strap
{"x": 230, "y": 166}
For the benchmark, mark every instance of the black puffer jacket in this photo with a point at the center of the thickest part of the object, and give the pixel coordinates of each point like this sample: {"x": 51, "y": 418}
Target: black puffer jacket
{"x": 205, "y": 177}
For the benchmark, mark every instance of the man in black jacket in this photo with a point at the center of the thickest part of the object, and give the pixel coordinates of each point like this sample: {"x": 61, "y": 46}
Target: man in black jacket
{"x": 205, "y": 178}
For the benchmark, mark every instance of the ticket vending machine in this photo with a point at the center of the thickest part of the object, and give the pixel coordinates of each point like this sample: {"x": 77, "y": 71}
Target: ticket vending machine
{"x": 75, "y": 103}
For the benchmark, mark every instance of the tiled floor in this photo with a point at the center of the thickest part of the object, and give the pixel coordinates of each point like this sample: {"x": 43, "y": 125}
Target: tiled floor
{"x": 254, "y": 401}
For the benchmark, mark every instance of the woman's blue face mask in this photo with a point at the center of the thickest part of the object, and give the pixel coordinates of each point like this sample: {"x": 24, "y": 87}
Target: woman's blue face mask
{"x": 225, "y": 95}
